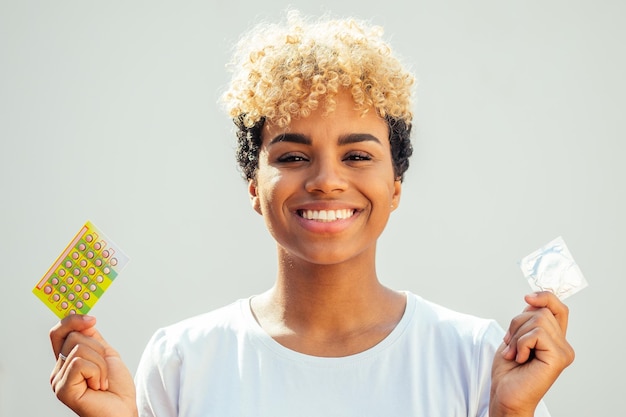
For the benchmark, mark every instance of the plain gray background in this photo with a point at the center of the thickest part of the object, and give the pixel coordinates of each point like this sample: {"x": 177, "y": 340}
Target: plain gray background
{"x": 108, "y": 112}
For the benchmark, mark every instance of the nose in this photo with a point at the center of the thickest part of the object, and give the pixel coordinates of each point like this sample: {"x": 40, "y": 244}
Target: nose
{"x": 326, "y": 176}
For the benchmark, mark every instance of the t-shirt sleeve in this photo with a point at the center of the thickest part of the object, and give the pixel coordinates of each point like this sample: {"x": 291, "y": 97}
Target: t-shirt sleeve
{"x": 158, "y": 378}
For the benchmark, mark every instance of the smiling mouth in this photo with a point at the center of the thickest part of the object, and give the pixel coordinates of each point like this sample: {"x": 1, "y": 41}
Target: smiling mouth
{"x": 326, "y": 215}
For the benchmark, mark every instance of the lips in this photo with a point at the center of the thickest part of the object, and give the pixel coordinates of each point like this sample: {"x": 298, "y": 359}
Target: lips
{"x": 326, "y": 216}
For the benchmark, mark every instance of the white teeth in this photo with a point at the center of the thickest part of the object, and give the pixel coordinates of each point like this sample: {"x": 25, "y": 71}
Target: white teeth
{"x": 326, "y": 215}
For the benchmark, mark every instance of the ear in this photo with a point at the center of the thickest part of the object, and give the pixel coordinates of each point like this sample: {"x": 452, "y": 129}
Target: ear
{"x": 397, "y": 191}
{"x": 254, "y": 197}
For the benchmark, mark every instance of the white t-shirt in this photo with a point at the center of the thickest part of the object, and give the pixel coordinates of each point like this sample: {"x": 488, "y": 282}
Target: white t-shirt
{"x": 436, "y": 362}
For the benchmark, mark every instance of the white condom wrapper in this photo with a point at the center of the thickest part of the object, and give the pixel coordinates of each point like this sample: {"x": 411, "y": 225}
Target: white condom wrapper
{"x": 552, "y": 268}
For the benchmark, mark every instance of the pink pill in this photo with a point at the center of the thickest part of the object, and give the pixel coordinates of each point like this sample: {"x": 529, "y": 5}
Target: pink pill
{"x": 91, "y": 270}
{"x": 83, "y": 263}
{"x": 72, "y": 311}
{"x": 82, "y": 247}
{"x": 90, "y": 255}
{"x": 97, "y": 246}
{"x": 76, "y": 271}
{"x": 68, "y": 264}
{"x": 47, "y": 289}
{"x": 64, "y": 305}
{"x": 71, "y": 296}
{"x": 75, "y": 255}
{"x": 105, "y": 253}
{"x": 63, "y": 288}
{"x": 54, "y": 281}
{"x": 84, "y": 280}
{"x": 86, "y": 296}
{"x": 62, "y": 272}
{"x": 56, "y": 297}
{"x": 70, "y": 280}
{"x": 79, "y": 304}
{"x": 98, "y": 262}
{"x": 89, "y": 238}
{"x": 78, "y": 288}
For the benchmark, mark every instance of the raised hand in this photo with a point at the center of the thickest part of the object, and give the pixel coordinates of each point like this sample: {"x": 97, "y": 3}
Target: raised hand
{"x": 532, "y": 356}
{"x": 89, "y": 375}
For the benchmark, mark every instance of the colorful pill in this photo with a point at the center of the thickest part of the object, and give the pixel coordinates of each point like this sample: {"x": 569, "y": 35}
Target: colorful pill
{"x": 47, "y": 289}
{"x": 86, "y": 296}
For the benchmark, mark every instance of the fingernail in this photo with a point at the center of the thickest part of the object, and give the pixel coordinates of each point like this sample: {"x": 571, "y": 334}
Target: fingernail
{"x": 88, "y": 319}
{"x": 506, "y": 350}
{"x": 507, "y": 337}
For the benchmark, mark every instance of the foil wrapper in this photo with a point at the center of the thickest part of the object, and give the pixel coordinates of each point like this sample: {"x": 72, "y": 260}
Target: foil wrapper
{"x": 552, "y": 268}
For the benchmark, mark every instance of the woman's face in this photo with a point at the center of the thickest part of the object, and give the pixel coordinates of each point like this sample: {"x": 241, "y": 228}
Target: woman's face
{"x": 325, "y": 184}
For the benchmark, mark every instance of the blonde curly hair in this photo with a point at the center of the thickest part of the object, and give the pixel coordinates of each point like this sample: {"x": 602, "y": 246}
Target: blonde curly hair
{"x": 286, "y": 71}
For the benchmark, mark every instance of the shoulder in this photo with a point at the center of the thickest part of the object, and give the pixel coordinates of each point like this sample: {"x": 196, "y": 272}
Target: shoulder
{"x": 443, "y": 322}
{"x": 201, "y": 329}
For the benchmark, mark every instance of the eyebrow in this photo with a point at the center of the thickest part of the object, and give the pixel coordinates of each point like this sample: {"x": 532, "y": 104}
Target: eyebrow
{"x": 343, "y": 139}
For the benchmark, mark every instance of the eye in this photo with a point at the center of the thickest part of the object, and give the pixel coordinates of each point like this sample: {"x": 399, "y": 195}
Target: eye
{"x": 358, "y": 156}
{"x": 291, "y": 157}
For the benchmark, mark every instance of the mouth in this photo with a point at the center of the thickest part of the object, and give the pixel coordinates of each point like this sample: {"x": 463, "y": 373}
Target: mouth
{"x": 326, "y": 216}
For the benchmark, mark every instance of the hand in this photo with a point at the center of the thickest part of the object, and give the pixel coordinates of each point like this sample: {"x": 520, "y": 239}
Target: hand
{"x": 533, "y": 355}
{"x": 92, "y": 380}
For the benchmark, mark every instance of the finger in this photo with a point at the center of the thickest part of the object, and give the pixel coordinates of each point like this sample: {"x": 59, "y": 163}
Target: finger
{"x": 546, "y": 299}
{"x": 91, "y": 351}
{"x": 526, "y": 323}
{"x": 91, "y": 348}
{"x": 71, "y": 323}
{"x": 76, "y": 373}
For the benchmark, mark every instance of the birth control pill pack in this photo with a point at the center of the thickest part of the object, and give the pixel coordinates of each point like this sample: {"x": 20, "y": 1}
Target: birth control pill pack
{"x": 82, "y": 273}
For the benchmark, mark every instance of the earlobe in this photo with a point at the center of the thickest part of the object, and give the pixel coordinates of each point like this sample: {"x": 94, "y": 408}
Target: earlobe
{"x": 254, "y": 197}
{"x": 397, "y": 191}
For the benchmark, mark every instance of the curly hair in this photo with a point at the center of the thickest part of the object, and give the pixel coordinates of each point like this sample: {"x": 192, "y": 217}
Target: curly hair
{"x": 282, "y": 72}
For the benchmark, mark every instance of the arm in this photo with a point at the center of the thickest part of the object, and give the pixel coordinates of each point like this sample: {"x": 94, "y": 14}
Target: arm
{"x": 89, "y": 376}
{"x": 533, "y": 355}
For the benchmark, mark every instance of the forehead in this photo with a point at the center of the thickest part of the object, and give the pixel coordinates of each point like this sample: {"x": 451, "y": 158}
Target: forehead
{"x": 343, "y": 120}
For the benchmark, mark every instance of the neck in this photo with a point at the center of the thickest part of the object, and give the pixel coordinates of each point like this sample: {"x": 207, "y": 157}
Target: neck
{"x": 328, "y": 310}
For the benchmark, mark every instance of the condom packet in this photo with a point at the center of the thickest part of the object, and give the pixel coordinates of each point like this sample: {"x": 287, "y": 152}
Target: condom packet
{"x": 552, "y": 268}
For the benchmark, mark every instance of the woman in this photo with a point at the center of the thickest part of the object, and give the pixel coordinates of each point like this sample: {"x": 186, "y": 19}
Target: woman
{"x": 323, "y": 113}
